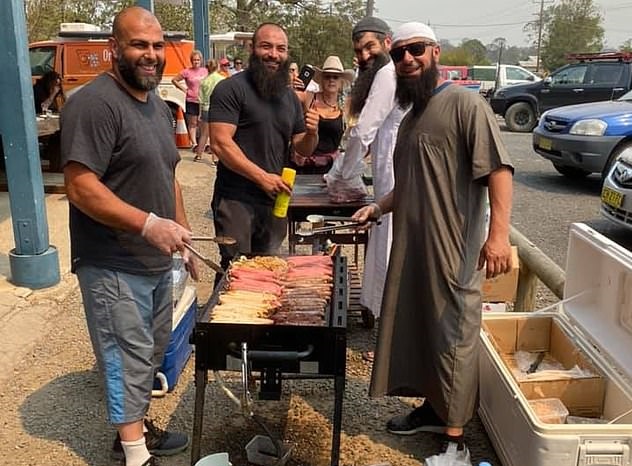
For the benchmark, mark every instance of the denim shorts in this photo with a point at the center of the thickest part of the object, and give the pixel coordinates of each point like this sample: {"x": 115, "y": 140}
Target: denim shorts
{"x": 129, "y": 321}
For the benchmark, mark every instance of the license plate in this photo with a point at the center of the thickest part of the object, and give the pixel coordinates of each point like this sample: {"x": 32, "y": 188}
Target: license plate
{"x": 612, "y": 197}
{"x": 545, "y": 143}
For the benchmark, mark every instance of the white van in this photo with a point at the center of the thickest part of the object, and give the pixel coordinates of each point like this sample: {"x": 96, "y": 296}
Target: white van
{"x": 508, "y": 75}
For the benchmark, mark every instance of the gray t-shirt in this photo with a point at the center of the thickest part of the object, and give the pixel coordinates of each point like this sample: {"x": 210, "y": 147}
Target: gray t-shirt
{"x": 130, "y": 146}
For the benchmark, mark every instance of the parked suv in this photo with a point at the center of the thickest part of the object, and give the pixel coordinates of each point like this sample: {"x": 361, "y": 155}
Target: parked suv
{"x": 593, "y": 77}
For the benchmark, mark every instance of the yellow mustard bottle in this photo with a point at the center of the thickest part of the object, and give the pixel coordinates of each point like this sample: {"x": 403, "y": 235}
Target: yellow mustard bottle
{"x": 282, "y": 201}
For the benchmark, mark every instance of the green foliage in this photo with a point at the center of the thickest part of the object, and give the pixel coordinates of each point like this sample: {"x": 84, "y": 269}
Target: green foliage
{"x": 43, "y": 17}
{"x": 174, "y": 17}
{"x": 476, "y": 50}
{"x": 626, "y": 46}
{"x": 315, "y": 29}
{"x": 569, "y": 26}
{"x": 470, "y": 52}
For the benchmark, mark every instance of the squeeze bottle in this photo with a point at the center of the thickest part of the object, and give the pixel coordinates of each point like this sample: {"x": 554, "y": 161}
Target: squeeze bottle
{"x": 282, "y": 200}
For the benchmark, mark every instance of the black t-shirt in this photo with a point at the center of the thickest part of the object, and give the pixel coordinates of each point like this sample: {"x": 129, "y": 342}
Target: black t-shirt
{"x": 130, "y": 146}
{"x": 264, "y": 132}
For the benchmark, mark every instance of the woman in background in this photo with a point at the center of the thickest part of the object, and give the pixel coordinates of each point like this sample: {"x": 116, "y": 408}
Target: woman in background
{"x": 327, "y": 103}
{"x": 48, "y": 93}
{"x": 192, "y": 77}
{"x": 206, "y": 89}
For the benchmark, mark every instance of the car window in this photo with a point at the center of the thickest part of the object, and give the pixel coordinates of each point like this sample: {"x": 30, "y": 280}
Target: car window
{"x": 482, "y": 74}
{"x": 517, "y": 74}
{"x": 569, "y": 75}
{"x": 42, "y": 60}
{"x": 605, "y": 73}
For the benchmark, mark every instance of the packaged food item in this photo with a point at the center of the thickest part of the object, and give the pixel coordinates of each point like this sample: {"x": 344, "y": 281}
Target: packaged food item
{"x": 549, "y": 410}
{"x": 179, "y": 276}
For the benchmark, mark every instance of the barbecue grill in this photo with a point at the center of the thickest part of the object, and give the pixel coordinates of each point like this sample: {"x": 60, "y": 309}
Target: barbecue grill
{"x": 276, "y": 352}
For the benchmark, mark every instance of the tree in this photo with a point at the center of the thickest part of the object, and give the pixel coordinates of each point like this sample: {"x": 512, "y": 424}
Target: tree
{"x": 476, "y": 50}
{"x": 626, "y": 46}
{"x": 43, "y": 17}
{"x": 568, "y": 26}
{"x": 470, "y": 52}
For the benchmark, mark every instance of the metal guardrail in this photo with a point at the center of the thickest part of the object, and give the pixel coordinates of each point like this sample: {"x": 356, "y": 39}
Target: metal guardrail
{"x": 534, "y": 266}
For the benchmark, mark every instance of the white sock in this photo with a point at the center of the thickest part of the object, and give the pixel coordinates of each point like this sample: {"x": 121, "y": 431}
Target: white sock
{"x": 136, "y": 453}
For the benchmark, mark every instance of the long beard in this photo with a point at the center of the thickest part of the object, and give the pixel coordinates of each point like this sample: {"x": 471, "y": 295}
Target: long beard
{"x": 363, "y": 82}
{"x": 269, "y": 84}
{"x": 417, "y": 91}
{"x": 130, "y": 74}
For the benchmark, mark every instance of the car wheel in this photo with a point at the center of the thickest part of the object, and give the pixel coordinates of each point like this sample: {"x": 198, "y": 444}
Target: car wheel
{"x": 614, "y": 156}
{"x": 520, "y": 117}
{"x": 571, "y": 172}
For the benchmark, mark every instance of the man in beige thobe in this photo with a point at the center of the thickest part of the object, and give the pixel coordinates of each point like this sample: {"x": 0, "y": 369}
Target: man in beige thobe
{"x": 448, "y": 154}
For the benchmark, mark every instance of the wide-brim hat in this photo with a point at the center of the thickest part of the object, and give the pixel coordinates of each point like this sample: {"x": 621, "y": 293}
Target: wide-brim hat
{"x": 332, "y": 65}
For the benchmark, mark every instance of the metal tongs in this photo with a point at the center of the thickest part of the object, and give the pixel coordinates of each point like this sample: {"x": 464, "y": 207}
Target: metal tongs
{"x": 226, "y": 240}
{"x": 316, "y": 224}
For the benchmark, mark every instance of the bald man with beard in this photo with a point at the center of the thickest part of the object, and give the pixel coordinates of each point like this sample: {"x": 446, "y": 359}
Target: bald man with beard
{"x": 378, "y": 116}
{"x": 115, "y": 132}
{"x": 449, "y": 154}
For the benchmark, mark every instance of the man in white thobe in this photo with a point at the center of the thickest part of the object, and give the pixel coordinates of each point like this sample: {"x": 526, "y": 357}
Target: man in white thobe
{"x": 373, "y": 100}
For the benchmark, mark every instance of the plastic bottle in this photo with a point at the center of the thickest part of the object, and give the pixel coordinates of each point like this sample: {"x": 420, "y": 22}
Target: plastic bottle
{"x": 282, "y": 201}
{"x": 484, "y": 463}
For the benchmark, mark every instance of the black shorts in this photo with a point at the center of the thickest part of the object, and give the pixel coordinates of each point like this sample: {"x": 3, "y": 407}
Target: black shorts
{"x": 193, "y": 108}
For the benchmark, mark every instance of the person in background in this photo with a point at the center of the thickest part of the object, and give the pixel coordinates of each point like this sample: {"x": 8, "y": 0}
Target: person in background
{"x": 293, "y": 77}
{"x": 254, "y": 117}
{"x": 206, "y": 89}
{"x": 327, "y": 104}
{"x": 192, "y": 77}
{"x": 48, "y": 93}
{"x": 238, "y": 66}
{"x": 374, "y": 118}
{"x": 449, "y": 155}
{"x": 224, "y": 67}
{"x": 124, "y": 229}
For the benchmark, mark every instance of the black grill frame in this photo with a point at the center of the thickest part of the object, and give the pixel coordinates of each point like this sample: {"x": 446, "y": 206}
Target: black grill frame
{"x": 306, "y": 352}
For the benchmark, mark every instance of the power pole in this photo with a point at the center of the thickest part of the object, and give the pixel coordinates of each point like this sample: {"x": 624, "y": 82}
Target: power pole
{"x": 540, "y": 26}
{"x": 369, "y": 7}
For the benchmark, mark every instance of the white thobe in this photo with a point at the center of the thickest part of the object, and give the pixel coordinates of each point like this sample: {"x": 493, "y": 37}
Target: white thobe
{"x": 376, "y": 131}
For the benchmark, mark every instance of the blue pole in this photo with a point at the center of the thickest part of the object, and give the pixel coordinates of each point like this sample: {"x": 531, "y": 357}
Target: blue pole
{"x": 146, "y": 4}
{"x": 201, "y": 27}
{"x": 33, "y": 262}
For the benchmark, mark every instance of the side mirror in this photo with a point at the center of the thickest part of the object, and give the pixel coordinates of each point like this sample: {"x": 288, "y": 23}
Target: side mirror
{"x": 530, "y": 78}
{"x": 548, "y": 80}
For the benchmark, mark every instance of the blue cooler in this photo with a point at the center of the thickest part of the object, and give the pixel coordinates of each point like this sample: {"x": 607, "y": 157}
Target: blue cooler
{"x": 179, "y": 348}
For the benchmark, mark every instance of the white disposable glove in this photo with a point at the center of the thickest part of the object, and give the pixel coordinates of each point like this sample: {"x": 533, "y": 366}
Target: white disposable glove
{"x": 190, "y": 264}
{"x": 165, "y": 234}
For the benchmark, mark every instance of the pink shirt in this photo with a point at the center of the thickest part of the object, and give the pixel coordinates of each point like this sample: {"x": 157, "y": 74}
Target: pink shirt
{"x": 192, "y": 78}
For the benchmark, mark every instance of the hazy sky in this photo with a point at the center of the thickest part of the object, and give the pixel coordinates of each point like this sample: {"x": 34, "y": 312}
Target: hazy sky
{"x": 487, "y": 19}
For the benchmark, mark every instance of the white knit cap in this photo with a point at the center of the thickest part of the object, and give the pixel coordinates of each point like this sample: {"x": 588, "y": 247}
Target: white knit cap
{"x": 413, "y": 30}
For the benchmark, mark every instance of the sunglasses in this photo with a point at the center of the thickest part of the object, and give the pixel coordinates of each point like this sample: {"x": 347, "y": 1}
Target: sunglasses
{"x": 416, "y": 49}
{"x": 237, "y": 63}
{"x": 331, "y": 76}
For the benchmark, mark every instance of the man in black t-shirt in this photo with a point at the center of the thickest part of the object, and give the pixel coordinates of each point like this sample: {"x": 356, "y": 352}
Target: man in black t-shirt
{"x": 254, "y": 118}
{"x": 124, "y": 227}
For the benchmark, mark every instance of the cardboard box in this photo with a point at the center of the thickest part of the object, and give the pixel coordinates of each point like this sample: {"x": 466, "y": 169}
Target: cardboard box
{"x": 582, "y": 396}
{"x": 503, "y": 288}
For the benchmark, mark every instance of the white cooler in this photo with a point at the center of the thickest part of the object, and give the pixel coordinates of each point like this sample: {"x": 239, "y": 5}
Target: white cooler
{"x": 591, "y": 328}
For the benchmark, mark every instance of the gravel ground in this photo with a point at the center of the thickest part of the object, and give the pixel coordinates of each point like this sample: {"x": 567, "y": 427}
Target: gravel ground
{"x": 52, "y": 409}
